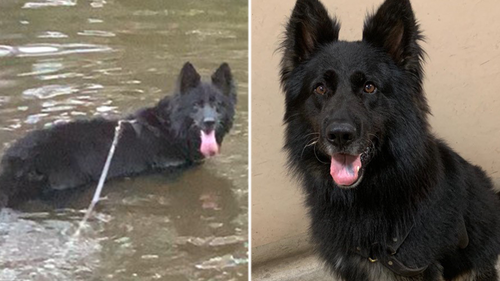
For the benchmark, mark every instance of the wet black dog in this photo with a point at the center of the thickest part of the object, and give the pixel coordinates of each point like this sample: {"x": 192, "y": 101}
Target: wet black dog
{"x": 180, "y": 130}
{"x": 387, "y": 199}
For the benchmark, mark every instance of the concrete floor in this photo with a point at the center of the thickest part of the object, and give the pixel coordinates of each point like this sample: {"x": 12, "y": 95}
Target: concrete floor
{"x": 298, "y": 268}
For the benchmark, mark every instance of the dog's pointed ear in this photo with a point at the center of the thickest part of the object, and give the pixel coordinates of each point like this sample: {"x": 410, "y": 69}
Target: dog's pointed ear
{"x": 309, "y": 27}
{"x": 188, "y": 78}
{"x": 223, "y": 79}
{"x": 394, "y": 29}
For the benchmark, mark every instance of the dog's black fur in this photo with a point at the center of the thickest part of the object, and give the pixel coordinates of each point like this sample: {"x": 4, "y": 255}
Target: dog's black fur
{"x": 169, "y": 134}
{"x": 379, "y": 185}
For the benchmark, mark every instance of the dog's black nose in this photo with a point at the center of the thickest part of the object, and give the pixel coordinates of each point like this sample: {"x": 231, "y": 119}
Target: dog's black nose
{"x": 209, "y": 123}
{"x": 340, "y": 134}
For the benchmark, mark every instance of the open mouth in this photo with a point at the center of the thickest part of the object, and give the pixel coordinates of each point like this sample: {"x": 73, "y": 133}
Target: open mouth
{"x": 346, "y": 169}
{"x": 209, "y": 146}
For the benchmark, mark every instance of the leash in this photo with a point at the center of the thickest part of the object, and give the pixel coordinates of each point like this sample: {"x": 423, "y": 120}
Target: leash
{"x": 104, "y": 174}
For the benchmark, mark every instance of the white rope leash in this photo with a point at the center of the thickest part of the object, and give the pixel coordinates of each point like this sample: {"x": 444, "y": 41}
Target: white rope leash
{"x": 102, "y": 179}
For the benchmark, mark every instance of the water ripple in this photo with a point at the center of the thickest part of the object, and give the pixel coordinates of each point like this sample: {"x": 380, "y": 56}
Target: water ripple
{"x": 221, "y": 263}
{"x": 33, "y": 50}
{"x": 98, "y": 33}
{"x": 52, "y": 34}
{"x": 49, "y": 3}
{"x": 49, "y": 91}
{"x": 43, "y": 68}
{"x": 36, "y": 247}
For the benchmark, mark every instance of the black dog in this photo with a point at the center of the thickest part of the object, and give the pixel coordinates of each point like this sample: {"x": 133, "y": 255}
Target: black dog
{"x": 387, "y": 199}
{"x": 180, "y": 130}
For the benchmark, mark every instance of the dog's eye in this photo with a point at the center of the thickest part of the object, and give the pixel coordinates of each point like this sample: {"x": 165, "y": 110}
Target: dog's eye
{"x": 320, "y": 90}
{"x": 369, "y": 88}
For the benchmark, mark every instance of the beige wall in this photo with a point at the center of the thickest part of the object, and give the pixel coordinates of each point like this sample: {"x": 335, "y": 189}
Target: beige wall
{"x": 462, "y": 85}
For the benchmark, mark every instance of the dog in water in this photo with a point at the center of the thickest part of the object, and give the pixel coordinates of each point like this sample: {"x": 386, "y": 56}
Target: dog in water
{"x": 180, "y": 130}
{"x": 387, "y": 199}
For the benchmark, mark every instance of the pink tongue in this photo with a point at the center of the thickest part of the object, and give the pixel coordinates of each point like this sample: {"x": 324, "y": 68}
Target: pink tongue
{"x": 209, "y": 146}
{"x": 344, "y": 168}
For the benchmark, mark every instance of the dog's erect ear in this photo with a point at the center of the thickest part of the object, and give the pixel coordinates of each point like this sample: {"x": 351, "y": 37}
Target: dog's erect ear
{"x": 394, "y": 29}
{"x": 223, "y": 79}
{"x": 309, "y": 27}
{"x": 188, "y": 78}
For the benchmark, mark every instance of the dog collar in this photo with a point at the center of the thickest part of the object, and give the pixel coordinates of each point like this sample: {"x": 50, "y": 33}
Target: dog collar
{"x": 390, "y": 260}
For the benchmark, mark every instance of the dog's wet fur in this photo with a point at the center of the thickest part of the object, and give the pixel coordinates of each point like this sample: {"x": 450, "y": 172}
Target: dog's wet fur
{"x": 182, "y": 129}
{"x": 381, "y": 189}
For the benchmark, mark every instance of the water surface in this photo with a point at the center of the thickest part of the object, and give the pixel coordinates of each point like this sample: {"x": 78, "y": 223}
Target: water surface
{"x": 66, "y": 59}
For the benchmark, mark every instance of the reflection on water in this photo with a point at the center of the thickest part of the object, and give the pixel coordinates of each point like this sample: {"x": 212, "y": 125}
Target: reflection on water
{"x": 62, "y": 60}
{"x": 50, "y": 49}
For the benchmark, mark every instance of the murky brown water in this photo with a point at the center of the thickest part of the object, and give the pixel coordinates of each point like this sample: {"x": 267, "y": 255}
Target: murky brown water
{"x": 66, "y": 59}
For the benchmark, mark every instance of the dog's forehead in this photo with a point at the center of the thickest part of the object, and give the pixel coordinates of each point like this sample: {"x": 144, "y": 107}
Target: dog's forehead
{"x": 206, "y": 90}
{"x": 346, "y": 57}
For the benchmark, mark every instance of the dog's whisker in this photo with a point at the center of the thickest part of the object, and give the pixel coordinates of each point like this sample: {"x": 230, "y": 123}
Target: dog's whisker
{"x": 306, "y": 146}
{"x": 313, "y": 142}
{"x": 312, "y": 134}
{"x": 314, "y": 149}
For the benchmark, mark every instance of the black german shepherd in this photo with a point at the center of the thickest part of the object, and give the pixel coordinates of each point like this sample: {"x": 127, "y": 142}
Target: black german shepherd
{"x": 180, "y": 130}
{"x": 387, "y": 199}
